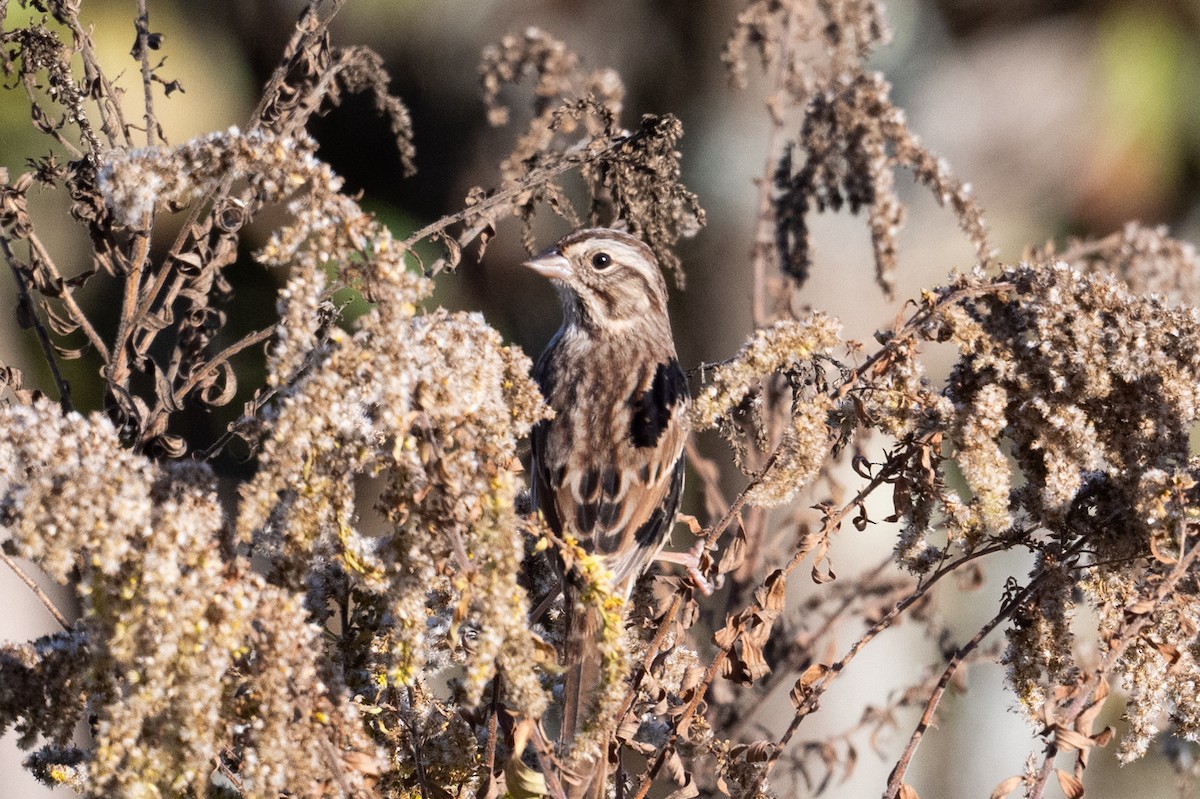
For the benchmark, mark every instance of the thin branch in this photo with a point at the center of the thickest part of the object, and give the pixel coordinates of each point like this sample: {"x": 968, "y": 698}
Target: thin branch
{"x": 832, "y": 522}
{"x": 129, "y": 320}
{"x": 37, "y": 591}
{"x": 501, "y": 198}
{"x": 489, "y": 758}
{"x": 303, "y": 36}
{"x": 415, "y": 741}
{"x": 764, "y": 238}
{"x": 43, "y": 335}
{"x": 158, "y": 294}
{"x": 142, "y": 23}
{"x": 656, "y": 764}
{"x": 818, "y": 688}
{"x": 767, "y": 686}
{"x": 652, "y": 651}
{"x": 66, "y": 295}
{"x": 113, "y": 119}
{"x": 260, "y": 400}
{"x": 584, "y": 152}
{"x": 900, "y": 338}
{"x": 228, "y": 774}
{"x": 31, "y": 89}
{"x": 334, "y": 764}
{"x": 896, "y": 779}
{"x": 814, "y": 692}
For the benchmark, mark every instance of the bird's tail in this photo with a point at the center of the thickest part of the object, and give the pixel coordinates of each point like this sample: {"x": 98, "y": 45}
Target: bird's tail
{"x": 582, "y": 660}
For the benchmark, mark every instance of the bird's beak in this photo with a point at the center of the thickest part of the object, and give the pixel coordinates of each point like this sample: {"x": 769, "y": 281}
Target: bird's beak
{"x": 552, "y": 264}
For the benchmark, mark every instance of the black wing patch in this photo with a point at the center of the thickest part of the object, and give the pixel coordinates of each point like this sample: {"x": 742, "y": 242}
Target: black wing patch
{"x": 651, "y": 412}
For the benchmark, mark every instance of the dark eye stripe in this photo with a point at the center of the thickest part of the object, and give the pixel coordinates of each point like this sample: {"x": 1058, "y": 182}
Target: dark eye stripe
{"x": 609, "y": 301}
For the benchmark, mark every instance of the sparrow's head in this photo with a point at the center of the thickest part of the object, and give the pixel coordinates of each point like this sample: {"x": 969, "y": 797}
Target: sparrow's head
{"x": 604, "y": 278}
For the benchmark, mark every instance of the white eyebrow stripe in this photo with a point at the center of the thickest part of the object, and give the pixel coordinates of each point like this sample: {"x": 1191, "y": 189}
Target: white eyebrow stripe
{"x": 630, "y": 255}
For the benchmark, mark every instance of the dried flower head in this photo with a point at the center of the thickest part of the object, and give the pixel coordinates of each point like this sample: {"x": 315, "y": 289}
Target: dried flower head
{"x": 790, "y": 348}
{"x": 1091, "y": 393}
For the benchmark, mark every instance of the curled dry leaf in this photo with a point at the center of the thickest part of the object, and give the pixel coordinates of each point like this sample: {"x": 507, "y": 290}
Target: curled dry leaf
{"x": 1071, "y": 785}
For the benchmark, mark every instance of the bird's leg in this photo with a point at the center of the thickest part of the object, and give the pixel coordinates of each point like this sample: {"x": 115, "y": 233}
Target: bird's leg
{"x": 690, "y": 560}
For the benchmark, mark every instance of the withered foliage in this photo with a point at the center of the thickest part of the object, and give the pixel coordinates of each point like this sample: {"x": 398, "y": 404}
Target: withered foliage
{"x": 290, "y": 639}
{"x": 851, "y": 136}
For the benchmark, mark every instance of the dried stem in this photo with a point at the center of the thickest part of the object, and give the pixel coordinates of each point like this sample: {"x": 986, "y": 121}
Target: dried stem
{"x": 25, "y": 300}
{"x": 37, "y": 591}
{"x": 66, "y": 295}
{"x": 143, "y": 52}
{"x": 489, "y": 757}
{"x": 896, "y": 779}
{"x": 762, "y": 255}
{"x": 118, "y": 372}
{"x": 222, "y": 357}
{"x": 766, "y": 691}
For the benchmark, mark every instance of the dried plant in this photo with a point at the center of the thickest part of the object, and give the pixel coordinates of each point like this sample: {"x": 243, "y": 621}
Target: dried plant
{"x": 294, "y": 640}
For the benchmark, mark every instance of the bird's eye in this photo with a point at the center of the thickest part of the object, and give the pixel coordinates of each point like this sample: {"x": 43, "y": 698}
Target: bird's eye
{"x": 602, "y": 260}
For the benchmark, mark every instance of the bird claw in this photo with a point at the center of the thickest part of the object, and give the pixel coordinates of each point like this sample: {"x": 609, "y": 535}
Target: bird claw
{"x": 692, "y": 562}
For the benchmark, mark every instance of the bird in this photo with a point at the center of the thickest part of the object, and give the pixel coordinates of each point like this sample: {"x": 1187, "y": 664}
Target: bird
{"x": 608, "y": 468}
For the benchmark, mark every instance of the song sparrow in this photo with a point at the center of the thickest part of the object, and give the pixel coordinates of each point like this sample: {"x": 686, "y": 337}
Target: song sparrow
{"x": 607, "y": 469}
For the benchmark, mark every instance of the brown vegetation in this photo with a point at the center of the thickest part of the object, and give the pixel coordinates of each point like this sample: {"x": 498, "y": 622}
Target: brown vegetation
{"x": 292, "y": 641}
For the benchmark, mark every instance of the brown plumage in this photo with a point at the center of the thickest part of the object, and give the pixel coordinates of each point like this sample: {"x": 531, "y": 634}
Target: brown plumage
{"x": 608, "y": 468}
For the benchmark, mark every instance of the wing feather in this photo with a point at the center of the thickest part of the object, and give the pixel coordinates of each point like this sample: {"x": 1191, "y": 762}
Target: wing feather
{"x": 614, "y": 483}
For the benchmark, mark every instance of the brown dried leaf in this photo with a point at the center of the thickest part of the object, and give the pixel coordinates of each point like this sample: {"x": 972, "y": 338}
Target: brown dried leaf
{"x": 735, "y": 553}
{"x": 11, "y": 377}
{"x": 1141, "y": 608}
{"x": 760, "y": 751}
{"x": 522, "y": 781}
{"x": 849, "y": 763}
{"x": 1071, "y": 741}
{"x": 811, "y": 675}
{"x": 169, "y": 446}
{"x": 1070, "y": 784}
{"x": 725, "y": 636}
{"x": 1169, "y": 652}
{"x": 220, "y": 388}
{"x": 675, "y": 769}
{"x": 453, "y": 251}
{"x": 61, "y": 326}
{"x": 772, "y": 596}
{"x": 750, "y": 665}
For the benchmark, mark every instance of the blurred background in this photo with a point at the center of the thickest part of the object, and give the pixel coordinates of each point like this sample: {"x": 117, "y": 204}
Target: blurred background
{"x": 1068, "y": 118}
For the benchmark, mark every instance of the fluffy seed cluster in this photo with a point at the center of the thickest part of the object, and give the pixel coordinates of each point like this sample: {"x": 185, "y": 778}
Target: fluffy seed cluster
{"x": 1089, "y": 393}
{"x": 391, "y": 403}
{"x": 172, "y": 643}
{"x": 193, "y": 654}
{"x": 788, "y": 347}
{"x": 137, "y": 182}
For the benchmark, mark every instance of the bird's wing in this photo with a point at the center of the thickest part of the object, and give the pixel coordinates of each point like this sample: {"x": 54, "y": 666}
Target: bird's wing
{"x": 625, "y": 498}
